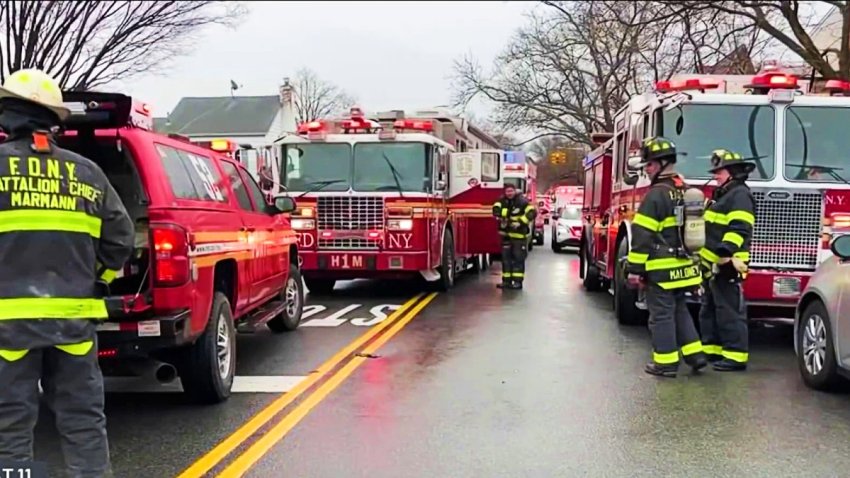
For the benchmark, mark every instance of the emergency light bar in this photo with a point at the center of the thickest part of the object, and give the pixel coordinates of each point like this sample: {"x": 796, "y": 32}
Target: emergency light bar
{"x": 91, "y": 110}
{"x": 416, "y": 125}
{"x": 668, "y": 86}
{"x": 773, "y": 79}
{"x": 836, "y": 87}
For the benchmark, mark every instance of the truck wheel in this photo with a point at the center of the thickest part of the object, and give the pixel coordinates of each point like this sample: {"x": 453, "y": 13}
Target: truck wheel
{"x": 556, "y": 248}
{"x": 625, "y": 309}
{"x": 293, "y": 298}
{"x": 590, "y": 273}
{"x": 447, "y": 265}
{"x": 540, "y": 240}
{"x": 208, "y": 366}
{"x": 320, "y": 286}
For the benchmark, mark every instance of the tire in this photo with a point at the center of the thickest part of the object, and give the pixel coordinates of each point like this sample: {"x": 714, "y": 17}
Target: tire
{"x": 293, "y": 296}
{"x": 531, "y": 244}
{"x": 485, "y": 262}
{"x": 589, "y": 273}
{"x": 319, "y": 286}
{"x": 447, "y": 264}
{"x": 540, "y": 240}
{"x": 814, "y": 324}
{"x": 555, "y": 247}
{"x": 624, "y": 298}
{"x": 204, "y": 377}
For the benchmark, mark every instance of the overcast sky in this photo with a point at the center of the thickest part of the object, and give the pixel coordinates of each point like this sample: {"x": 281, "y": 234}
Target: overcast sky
{"x": 389, "y": 55}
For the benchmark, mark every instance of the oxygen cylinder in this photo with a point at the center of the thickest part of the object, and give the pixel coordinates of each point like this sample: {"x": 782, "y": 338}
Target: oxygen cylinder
{"x": 694, "y": 227}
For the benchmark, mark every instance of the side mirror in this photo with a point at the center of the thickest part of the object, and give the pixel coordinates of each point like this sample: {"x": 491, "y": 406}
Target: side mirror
{"x": 634, "y": 163}
{"x": 441, "y": 185}
{"x": 841, "y": 247}
{"x": 284, "y": 204}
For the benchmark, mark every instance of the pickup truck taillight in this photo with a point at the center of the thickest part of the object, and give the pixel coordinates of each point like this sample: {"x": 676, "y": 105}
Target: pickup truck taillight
{"x": 171, "y": 255}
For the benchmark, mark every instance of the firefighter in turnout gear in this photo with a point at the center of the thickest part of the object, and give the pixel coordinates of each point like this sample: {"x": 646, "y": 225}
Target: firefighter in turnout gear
{"x": 659, "y": 262}
{"x": 515, "y": 215}
{"x": 729, "y": 222}
{"x": 63, "y": 229}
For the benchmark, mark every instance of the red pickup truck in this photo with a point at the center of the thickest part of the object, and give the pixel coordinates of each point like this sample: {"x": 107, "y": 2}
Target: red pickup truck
{"x": 212, "y": 254}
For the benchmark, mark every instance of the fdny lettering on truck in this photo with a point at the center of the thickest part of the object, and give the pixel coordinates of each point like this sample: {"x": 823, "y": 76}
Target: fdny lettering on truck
{"x": 33, "y": 184}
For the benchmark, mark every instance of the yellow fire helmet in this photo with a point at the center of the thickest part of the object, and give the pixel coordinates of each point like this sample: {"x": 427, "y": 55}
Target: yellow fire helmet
{"x": 38, "y": 87}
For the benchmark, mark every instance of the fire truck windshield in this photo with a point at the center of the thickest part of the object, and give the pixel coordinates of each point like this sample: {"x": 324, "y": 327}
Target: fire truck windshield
{"x": 817, "y": 148}
{"x": 310, "y": 164}
{"x": 410, "y": 167}
{"x": 698, "y": 129}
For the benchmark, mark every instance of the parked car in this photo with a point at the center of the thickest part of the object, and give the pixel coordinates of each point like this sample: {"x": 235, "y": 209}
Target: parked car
{"x": 821, "y": 338}
{"x": 566, "y": 227}
{"x": 212, "y": 254}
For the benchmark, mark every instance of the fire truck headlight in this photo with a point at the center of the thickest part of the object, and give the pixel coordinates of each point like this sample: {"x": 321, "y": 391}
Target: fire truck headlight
{"x": 305, "y": 212}
{"x": 302, "y": 224}
{"x": 400, "y": 224}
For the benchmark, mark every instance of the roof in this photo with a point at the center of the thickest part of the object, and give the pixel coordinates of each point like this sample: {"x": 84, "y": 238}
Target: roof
{"x": 221, "y": 116}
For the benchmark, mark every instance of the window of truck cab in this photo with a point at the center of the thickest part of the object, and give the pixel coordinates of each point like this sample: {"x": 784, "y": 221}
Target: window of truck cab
{"x": 192, "y": 176}
{"x": 698, "y": 129}
{"x": 817, "y": 145}
{"x": 307, "y": 165}
{"x": 386, "y": 166}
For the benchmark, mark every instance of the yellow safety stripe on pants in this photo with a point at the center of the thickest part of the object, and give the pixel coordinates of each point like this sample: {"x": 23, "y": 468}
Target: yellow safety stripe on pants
{"x": 740, "y": 357}
{"x": 692, "y": 348}
{"x": 712, "y": 349}
{"x": 646, "y": 222}
{"x": 637, "y": 257}
{"x": 52, "y": 308}
{"x": 49, "y": 220}
{"x": 516, "y": 235}
{"x": 13, "y": 355}
{"x": 79, "y": 349}
{"x": 734, "y": 238}
{"x": 725, "y": 219}
{"x": 519, "y": 274}
{"x": 665, "y": 359}
{"x": 667, "y": 263}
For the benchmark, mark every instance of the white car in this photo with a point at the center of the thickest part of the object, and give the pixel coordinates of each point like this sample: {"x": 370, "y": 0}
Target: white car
{"x": 566, "y": 227}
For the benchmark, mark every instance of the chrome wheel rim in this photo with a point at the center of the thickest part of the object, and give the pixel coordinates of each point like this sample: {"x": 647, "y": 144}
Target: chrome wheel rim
{"x": 291, "y": 297}
{"x": 223, "y": 345}
{"x": 814, "y": 344}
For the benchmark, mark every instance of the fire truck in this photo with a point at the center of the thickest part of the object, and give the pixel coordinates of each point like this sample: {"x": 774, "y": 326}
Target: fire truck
{"x": 260, "y": 161}
{"x": 521, "y": 171}
{"x": 389, "y": 199}
{"x": 802, "y": 195}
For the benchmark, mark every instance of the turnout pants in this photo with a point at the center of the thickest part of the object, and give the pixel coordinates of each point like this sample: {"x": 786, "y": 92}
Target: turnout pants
{"x": 672, "y": 326}
{"x": 73, "y": 389}
{"x": 514, "y": 252}
{"x": 723, "y": 321}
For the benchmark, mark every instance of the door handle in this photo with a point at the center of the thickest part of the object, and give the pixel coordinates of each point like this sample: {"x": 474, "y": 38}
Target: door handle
{"x": 248, "y": 229}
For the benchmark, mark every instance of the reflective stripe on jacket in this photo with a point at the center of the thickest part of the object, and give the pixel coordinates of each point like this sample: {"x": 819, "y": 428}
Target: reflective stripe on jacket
{"x": 656, "y": 241}
{"x": 62, "y": 228}
{"x": 729, "y": 222}
{"x": 517, "y": 210}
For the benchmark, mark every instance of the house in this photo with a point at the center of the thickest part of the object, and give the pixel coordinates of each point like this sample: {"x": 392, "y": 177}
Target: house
{"x": 254, "y": 120}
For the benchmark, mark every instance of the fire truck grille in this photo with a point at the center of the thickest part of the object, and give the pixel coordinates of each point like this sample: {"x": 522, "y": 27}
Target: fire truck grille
{"x": 348, "y": 244}
{"x": 788, "y": 229}
{"x": 346, "y": 213}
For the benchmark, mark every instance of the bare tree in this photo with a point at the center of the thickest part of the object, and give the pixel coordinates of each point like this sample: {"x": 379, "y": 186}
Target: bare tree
{"x": 315, "y": 98}
{"x": 87, "y": 44}
{"x": 575, "y": 64}
{"x": 569, "y": 172}
{"x": 821, "y": 41}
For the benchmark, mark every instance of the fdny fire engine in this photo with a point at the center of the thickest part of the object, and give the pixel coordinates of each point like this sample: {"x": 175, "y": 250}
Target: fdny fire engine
{"x": 389, "y": 199}
{"x": 800, "y": 186}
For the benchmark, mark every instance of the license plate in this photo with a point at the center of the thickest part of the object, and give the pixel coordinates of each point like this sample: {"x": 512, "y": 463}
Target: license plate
{"x": 346, "y": 261}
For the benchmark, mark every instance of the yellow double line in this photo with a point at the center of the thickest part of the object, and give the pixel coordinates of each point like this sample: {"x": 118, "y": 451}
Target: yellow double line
{"x": 238, "y": 467}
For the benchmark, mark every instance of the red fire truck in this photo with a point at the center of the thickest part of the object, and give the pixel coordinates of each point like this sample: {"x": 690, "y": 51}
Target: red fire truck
{"x": 389, "y": 199}
{"x": 802, "y": 195}
{"x": 259, "y": 161}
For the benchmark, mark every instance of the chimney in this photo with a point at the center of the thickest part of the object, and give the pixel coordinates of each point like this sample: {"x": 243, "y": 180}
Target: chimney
{"x": 287, "y": 111}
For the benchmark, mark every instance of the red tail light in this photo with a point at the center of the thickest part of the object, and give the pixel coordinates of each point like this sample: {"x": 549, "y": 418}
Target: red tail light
{"x": 171, "y": 255}
{"x": 107, "y": 353}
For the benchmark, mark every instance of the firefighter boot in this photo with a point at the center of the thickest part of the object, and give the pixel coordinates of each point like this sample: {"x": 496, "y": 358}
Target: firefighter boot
{"x": 696, "y": 361}
{"x": 669, "y": 371}
{"x": 727, "y": 365}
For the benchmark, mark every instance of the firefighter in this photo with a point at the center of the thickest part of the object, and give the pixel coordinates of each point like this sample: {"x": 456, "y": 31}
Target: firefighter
{"x": 729, "y": 221}
{"x": 515, "y": 215}
{"x": 64, "y": 233}
{"x": 659, "y": 263}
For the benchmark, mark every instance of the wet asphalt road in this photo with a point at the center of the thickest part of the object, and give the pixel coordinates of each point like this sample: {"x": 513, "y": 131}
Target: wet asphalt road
{"x": 537, "y": 383}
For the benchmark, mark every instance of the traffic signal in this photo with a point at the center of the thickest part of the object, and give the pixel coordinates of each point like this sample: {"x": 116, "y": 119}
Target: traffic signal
{"x": 558, "y": 157}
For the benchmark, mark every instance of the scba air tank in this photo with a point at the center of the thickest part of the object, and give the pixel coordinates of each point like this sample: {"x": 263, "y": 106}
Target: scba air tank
{"x": 694, "y": 227}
